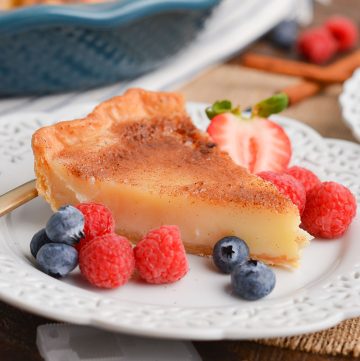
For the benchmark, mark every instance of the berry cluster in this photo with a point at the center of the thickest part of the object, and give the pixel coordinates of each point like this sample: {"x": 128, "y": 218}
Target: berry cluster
{"x": 263, "y": 147}
{"x": 53, "y": 246}
{"x": 326, "y": 208}
{"x": 319, "y": 45}
{"x": 250, "y": 279}
{"x": 85, "y": 235}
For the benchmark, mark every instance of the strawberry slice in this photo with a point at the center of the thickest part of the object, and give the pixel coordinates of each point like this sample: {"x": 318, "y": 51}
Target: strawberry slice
{"x": 255, "y": 143}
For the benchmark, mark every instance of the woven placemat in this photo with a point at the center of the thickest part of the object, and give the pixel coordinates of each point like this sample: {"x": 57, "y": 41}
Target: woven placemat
{"x": 343, "y": 339}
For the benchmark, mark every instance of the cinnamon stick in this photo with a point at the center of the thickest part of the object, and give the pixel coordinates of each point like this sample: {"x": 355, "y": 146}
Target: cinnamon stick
{"x": 315, "y": 76}
{"x": 335, "y": 73}
{"x": 347, "y": 63}
{"x": 302, "y": 90}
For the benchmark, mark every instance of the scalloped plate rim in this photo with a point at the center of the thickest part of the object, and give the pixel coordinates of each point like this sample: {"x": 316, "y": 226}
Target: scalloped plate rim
{"x": 348, "y": 116}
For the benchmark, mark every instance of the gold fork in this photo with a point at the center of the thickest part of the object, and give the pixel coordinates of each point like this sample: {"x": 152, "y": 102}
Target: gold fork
{"x": 17, "y": 196}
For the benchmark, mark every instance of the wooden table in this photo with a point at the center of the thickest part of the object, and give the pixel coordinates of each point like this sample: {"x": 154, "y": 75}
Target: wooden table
{"x": 18, "y": 328}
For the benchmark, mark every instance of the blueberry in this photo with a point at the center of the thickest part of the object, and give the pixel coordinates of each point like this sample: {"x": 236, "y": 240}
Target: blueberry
{"x": 66, "y": 225}
{"x": 252, "y": 280}
{"x": 284, "y": 34}
{"x": 57, "y": 259}
{"x": 39, "y": 239}
{"x": 229, "y": 252}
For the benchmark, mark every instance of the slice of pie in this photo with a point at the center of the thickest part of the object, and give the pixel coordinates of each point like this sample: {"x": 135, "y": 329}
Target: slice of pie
{"x": 141, "y": 155}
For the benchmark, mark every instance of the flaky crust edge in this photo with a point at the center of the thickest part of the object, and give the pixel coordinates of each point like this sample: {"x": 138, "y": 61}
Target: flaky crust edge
{"x": 135, "y": 103}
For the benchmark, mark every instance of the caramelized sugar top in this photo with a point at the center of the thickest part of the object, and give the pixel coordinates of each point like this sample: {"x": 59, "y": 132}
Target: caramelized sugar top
{"x": 168, "y": 156}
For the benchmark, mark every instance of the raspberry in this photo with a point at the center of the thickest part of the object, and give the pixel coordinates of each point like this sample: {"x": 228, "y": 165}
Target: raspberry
{"x": 317, "y": 45}
{"x": 344, "y": 31}
{"x": 287, "y": 185}
{"x": 160, "y": 256}
{"x": 107, "y": 261}
{"x": 330, "y": 208}
{"x": 306, "y": 177}
{"x": 98, "y": 221}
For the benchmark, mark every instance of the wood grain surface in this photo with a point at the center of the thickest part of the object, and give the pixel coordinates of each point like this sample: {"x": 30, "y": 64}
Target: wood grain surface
{"x": 245, "y": 86}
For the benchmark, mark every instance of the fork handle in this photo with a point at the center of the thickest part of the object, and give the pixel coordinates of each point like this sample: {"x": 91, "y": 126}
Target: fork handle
{"x": 17, "y": 196}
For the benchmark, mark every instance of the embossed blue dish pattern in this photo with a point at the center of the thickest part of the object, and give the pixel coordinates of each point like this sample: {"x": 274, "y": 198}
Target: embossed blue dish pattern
{"x": 49, "y": 49}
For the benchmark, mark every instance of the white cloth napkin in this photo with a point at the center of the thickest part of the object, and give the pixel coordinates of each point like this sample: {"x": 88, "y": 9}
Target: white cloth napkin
{"x": 64, "y": 342}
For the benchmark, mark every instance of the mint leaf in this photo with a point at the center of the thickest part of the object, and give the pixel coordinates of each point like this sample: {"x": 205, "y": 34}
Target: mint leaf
{"x": 275, "y": 104}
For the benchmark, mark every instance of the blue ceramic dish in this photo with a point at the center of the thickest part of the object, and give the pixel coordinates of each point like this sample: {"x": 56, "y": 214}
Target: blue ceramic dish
{"x": 48, "y": 49}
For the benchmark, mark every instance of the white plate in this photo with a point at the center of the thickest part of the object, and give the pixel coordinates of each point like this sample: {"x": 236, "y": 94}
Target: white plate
{"x": 350, "y": 103}
{"x": 321, "y": 293}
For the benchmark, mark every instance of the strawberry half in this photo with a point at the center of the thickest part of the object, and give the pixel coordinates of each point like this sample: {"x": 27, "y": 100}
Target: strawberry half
{"x": 255, "y": 143}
